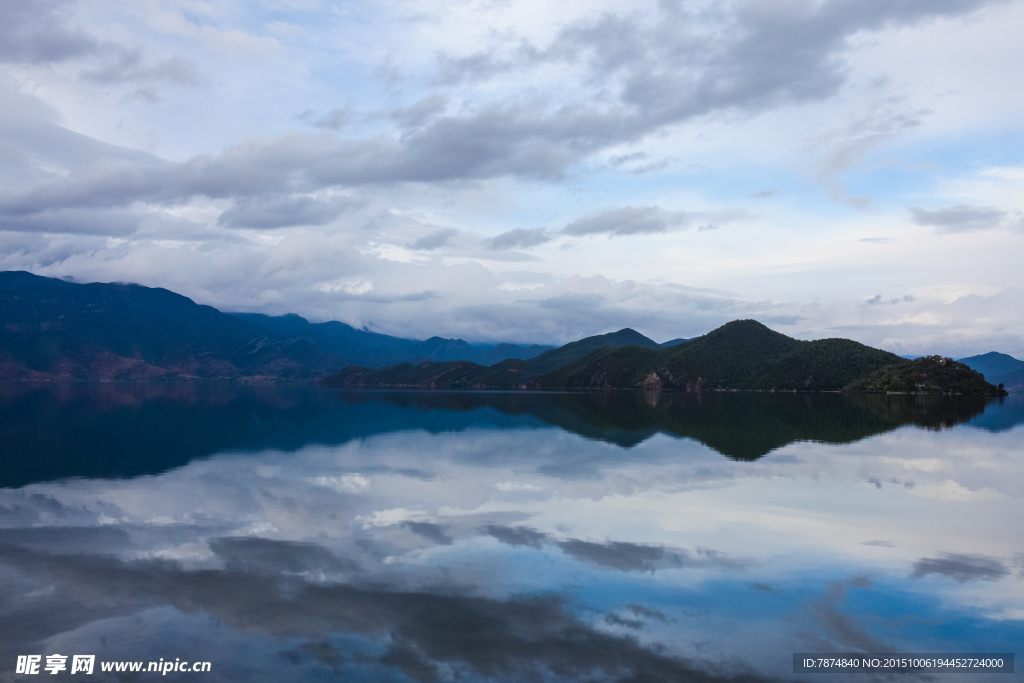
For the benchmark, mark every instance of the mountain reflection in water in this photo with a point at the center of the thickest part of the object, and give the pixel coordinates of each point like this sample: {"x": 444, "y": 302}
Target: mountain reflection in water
{"x": 291, "y": 533}
{"x": 103, "y": 430}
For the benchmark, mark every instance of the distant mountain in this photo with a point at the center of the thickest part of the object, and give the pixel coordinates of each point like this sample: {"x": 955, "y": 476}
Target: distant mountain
{"x": 741, "y": 355}
{"x": 51, "y": 329}
{"x": 999, "y": 368}
{"x": 371, "y": 349}
{"x": 507, "y": 374}
{"x": 577, "y": 350}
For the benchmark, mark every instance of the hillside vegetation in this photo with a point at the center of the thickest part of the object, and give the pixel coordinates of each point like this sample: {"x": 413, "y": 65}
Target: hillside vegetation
{"x": 928, "y": 375}
{"x": 741, "y": 355}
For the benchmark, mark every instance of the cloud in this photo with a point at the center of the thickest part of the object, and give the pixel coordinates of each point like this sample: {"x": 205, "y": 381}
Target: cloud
{"x": 261, "y": 556}
{"x": 614, "y": 222}
{"x": 628, "y": 220}
{"x": 421, "y": 113}
{"x": 434, "y": 240}
{"x": 842, "y": 630}
{"x": 113, "y": 222}
{"x": 685, "y": 62}
{"x": 644, "y": 75}
{"x": 40, "y": 32}
{"x": 878, "y": 300}
{"x": 44, "y": 32}
{"x": 517, "y": 536}
{"x": 620, "y": 555}
{"x": 282, "y": 211}
{"x": 520, "y": 238}
{"x": 959, "y": 218}
{"x": 124, "y": 65}
{"x": 335, "y": 119}
{"x": 960, "y": 568}
{"x": 429, "y": 531}
{"x": 529, "y": 637}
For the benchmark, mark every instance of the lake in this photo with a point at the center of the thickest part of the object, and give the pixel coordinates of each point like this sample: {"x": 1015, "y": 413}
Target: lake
{"x": 297, "y": 534}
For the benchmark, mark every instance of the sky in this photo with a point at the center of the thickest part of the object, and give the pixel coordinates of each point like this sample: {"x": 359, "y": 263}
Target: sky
{"x": 528, "y": 171}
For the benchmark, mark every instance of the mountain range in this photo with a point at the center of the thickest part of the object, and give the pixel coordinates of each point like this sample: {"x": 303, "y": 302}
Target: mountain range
{"x": 51, "y": 329}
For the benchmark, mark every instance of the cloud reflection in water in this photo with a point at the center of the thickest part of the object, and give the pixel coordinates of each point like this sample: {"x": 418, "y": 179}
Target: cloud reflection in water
{"x": 496, "y": 537}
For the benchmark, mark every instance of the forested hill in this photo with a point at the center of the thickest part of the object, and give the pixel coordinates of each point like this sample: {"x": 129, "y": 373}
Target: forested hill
{"x": 56, "y": 330}
{"x": 741, "y": 355}
{"x": 51, "y": 329}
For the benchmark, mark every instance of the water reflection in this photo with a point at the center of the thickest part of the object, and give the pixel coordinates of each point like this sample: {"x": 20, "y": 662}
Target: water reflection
{"x": 123, "y": 430}
{"x": 423, "y": 537}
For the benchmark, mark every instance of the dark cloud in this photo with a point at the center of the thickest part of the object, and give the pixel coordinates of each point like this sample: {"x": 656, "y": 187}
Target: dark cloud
{"x": 421, "y": 113}
{"x": 256, "y": 555}
{"x": 69, "y": 540}
{"x": 841, "y": 630}
{"x": 335, "y": 119}
{"x": 619, "y": 221}
{"x": 429, "y": 531}
{"x": 959, "y": 218}
{"x": 647, "y": 613}
{"x": 620, "y": 555}
{"x": 517, "y": 536}
{"x": 520, "y": 238}
{"x": 628, "y": 220}
{"x": 111, "y": 222}
{"x": 45, "y": 31}
{"x": 574, "y": 302}
{"x": 41, "y": 31}
{"x": 282, "y": 211}
{"x": 620, "y": 159}
{"x": 616, "y": 620}
{"x": 123, "y": 65}
{"x": 878, "y": 300}
{"x": 434, "y": 240}
{"x": 960, "y": 568}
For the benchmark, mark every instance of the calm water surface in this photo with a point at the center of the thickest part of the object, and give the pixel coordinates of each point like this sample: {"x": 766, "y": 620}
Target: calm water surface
{"x": 294, "y": 534}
